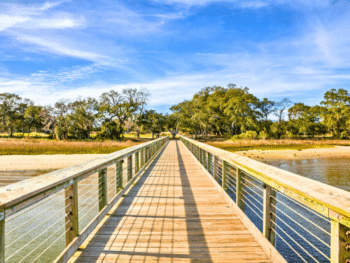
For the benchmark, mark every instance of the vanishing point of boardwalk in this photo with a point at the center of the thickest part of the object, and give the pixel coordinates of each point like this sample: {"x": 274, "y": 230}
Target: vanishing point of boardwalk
{"x": 173, "y": 214}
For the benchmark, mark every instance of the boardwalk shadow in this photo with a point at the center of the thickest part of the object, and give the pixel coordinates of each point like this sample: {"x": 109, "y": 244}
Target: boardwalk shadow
{"x": 117, "y": 239}
{"x": 197, "y": 242}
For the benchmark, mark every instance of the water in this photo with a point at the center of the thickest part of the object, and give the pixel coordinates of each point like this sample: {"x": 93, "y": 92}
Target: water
{"x": 331, "y": 171}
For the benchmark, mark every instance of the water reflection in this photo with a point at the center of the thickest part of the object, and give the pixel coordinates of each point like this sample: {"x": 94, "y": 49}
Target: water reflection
{"x": 331, "y": 171}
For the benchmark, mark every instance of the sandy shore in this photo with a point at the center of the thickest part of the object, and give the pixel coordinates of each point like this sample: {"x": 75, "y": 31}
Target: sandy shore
{"x": 42, "y": 162}
{"x": 337, "y": 152}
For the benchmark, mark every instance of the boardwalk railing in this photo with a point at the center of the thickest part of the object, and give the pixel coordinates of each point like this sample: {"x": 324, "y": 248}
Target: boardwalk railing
{"x": 305, "y": 220}
{"x": 47, "y": 218}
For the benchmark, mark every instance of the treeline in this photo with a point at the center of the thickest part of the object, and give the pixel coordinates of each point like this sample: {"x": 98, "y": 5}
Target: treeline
{"x": 110, "y": 115}
{"x": 234, "y": 112}
{"x": 231, "y": 112}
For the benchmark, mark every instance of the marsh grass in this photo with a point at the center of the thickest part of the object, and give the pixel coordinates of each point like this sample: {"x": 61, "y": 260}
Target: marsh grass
{"x": 50, "y": 147}
{"x": 245, "y": 145}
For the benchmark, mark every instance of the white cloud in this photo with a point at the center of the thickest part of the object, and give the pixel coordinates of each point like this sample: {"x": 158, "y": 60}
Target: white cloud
{"x": 249, "y": 3}
{"x": 7, "y": 21}
{"x": 36, "y": 17}
{"x": 59, "y": 47}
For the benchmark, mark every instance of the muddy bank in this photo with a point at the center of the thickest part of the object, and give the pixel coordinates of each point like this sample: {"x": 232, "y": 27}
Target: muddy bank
{"x": 42, "y": 162}
{"x": 261, "y": 155}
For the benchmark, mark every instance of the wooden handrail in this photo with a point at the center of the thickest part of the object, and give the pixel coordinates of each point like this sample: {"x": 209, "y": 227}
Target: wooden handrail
{"x": 325, "y": 199}
{"x": 13, "y": 196}
{"x": 26, "y": 194}
{"x": 331, "y": 202}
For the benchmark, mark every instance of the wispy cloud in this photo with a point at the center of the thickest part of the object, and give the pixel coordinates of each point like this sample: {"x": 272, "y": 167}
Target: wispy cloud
{"x": 124, "y": 40}
{"x": 7, "y": 21}
{"x": 248, "y": 3}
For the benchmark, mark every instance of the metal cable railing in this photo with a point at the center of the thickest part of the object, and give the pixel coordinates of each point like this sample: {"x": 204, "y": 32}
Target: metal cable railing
{"x": 64, "y": 206}
{"x": 297, "y": 224}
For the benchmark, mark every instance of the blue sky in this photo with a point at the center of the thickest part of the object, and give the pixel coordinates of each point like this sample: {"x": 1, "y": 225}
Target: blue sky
{"x": 65, "y": 49}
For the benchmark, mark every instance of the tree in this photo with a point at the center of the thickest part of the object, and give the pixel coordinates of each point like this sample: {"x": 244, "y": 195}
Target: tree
{"x": 114, "y": 105}
{"x": 266, "y": 107}
{"x": 171, "y": 124}
{"x": 82, "y": 117}
{"x": 279, "y": 111}
{"x": 305, "y": 119}
{"x": 337, "y": 110}
{"x": 62, "y": 123}
{"x": 142, "y": 98}
{"x": 12, "y": 109}
{"x": 240, "y": 107}
{"x": 33, "y": 117}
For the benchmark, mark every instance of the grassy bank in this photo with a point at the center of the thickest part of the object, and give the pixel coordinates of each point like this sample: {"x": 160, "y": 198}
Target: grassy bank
{"x": 245, "y": 145}
{"x": 50, "y": 147}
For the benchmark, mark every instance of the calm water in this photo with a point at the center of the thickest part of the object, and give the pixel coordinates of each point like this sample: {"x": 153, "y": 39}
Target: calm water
{"x": 332, "y": 171}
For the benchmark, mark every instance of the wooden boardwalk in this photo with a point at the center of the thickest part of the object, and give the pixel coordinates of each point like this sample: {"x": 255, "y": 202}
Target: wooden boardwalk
{"x": 173, "y": 214}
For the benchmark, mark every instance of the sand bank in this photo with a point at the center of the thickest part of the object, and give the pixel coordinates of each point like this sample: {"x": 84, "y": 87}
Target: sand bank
{"x": 42, "y": 162}
{"x": 336, "y": 152}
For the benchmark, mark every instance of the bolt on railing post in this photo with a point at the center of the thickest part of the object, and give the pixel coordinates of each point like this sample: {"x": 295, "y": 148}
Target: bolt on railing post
{"x": 137, "y": 162}
{"x": 129, "y": 167}
{"x": 119, "y": 175}
{"x": 102, "y": 182}
{"x": 71, "y": 209}
{"x": 2, "y": 236}
{"x": 239, "y": 181}
{"x": 224, "y": 175}
{"x": 340, "y": 242}
{"x": 215, "y": 167}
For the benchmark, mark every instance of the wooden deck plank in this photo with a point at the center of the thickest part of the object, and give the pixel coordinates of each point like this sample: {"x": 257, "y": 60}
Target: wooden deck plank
{"x": 173, "y": 214}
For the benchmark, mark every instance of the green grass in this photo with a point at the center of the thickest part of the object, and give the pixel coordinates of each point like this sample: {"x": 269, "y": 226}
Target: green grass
{"x": 51, "y": 147}
{"x": 26, "y": 135}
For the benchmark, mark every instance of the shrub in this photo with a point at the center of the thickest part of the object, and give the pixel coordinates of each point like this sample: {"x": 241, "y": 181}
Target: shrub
{"x": 263, "y": 135}
{"x": 344, "y": 135}
{"x": 246, "y": 135}
{"x": 227, "y": 135}
{"x": 110, "y": 130}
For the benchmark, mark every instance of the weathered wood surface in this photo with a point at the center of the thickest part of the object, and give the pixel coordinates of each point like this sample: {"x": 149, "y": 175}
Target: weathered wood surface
{"x": 330, "y": 201}
{"x": 174, "y": 214}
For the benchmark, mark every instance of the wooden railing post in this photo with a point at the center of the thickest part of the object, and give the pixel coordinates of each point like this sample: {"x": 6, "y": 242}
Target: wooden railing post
{"x": 102, "y": 182}
{"x": 224, "y": 175}
{"x": 71, "y": 209}
{"x": 215, "y": 167}
{"x": 2, "y": 236}
{"x": 119, "y": 175}
{"x": 239, "y": 188}
{"x": 209, "y": 163}
{"x": 137, "y": 162}
{"x": 269, "y": 228}
{"x": 340, "y": 242}
{"x": 129, "y": 167}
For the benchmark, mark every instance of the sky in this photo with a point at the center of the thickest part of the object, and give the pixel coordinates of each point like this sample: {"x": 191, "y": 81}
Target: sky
{"x": 65, "y": 49}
